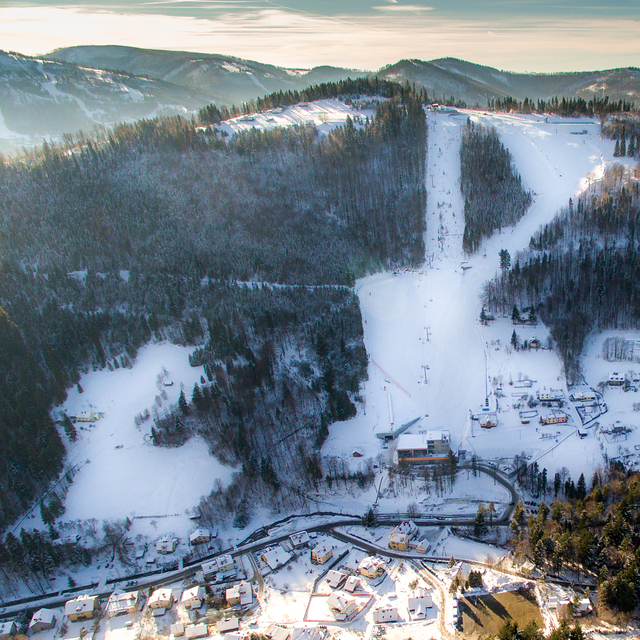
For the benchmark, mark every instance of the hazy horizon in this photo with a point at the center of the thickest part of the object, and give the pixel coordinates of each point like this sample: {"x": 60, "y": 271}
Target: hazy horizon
{"x": 536, "y": 37}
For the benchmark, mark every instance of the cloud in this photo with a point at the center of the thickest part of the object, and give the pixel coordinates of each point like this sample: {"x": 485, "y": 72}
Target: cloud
{"x": 303, "y": 40}
{"x": 403, "y": 7}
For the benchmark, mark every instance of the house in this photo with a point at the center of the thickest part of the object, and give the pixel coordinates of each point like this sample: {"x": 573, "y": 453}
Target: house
{"x": 166, "y": 545}
{"x": 86, "y": 416}
{"x": 583, "y": 395}
{"x": 372, "y": 567}
{"x": 400, "y": 536}
{"x": 161, "y": 599}
{"x": 423, "y": 546}
{"x": 81, "y": 608}
{"x": 553, "y": 395}
{"x": 200, "y": 536}
{"x": 228, "y": 624}
{"x": 342, "y": 605}
{"x": 197, "y": 631}
{"x": 335, "y": 578}
{"x": 193, "y": 598}
{"x": 418, "y": 603}
{"x": 299, "y": 539}
{"x": 240, "y": 594}
{"x": 423, "y": 448}
{"x": 386, "y": 614}
{"x": 42, "y": 620}
{"x": 582, "y": 608}
{"x": 275, "y": 557}
{"x": 534, "y": 343}
{"x": 321, "y": 554}
{"x": 352, "y": 584}
{"x": 276, "y": 632}
{"x": 616, "y": 379}
{"x": 121, "y": 602}
{"x": 488, "y": 420}
{"x": 555, "y": 417}
{"x": 177, "y": 629}
{"x": 221, "y": 567}
{"x": 8, "y": 628}
{"x": 226, "y": 563}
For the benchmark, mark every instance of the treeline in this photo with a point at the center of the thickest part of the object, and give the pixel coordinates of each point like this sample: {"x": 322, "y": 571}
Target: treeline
{"x": 142, "y": 233}
{"x": 594, "y": 532}
{"x": 566, "y": 107}
{"x": 366, "y": 86}
{"x": 492, "y": 189}
{"x": 625, "y": 130}
{"x": 581, "y": 271}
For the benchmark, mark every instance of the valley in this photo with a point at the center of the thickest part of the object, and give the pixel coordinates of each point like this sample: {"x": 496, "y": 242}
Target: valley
{"x": 433, "y": 365}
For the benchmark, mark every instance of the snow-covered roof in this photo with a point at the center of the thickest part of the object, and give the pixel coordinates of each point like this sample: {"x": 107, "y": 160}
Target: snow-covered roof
{"x": 335, "y": 578}
{"x": 228, "y": 624}
{"x": 275, "y": 557}
{"x": 45, "y": 616}
{"x": 199, "y": 534}
{"x": 352, "y": 584}
{"x": 81, "y": 604}
{"x": 421, "y": 440}
{"x": 197, "y": 631}
{"x": 195, "y": 593}
{"x": 7, "y": 627}
{"x": 340, "y": 601}
{"x": 121, "y": 602}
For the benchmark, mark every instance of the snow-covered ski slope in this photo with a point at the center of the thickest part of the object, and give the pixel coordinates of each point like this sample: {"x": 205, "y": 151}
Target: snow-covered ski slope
{"x": 429, "y": 317}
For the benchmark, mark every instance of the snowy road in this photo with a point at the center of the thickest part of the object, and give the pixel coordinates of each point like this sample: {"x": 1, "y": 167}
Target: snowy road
{"x": 424, "y": 324}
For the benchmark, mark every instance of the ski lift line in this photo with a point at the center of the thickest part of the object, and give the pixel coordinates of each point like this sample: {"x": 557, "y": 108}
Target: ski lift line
{"x": 391, "y": 378}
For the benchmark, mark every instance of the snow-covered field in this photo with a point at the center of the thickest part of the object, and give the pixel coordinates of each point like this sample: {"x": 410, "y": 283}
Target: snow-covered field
{"x": 122, "y": 474}
{"x": 325, "y": 115}
{"x": 423, "y": 325}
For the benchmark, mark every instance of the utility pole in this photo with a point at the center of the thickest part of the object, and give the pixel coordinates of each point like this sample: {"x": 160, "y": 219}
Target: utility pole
{"x": 428, "y": 330}
{"x": 425, "y": 367}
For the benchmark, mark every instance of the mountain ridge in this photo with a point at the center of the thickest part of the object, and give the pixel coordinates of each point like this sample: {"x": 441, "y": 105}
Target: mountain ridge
{"x": 78, "y": 88}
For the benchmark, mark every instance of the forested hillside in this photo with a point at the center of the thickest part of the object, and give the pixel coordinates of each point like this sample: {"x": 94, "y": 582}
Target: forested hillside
{"x": 581, "y": 271}
{"x": 145, "y": 234}
{"x": 593, "y": 529}
{"x": 492, "y": 189}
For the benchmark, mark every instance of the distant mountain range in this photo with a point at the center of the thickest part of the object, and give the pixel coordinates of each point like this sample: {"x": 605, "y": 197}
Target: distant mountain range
{"x": 80, "y": 87}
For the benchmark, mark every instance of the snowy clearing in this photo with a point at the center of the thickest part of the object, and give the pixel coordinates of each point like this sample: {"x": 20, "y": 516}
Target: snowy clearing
{"x": 122, "y": 474}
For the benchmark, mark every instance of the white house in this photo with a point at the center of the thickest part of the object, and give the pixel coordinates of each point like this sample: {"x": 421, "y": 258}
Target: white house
{"x": 81, "y": 608}
{"x": 42, "y": 620}
{"x": 335, "y": 578}
{"x": 322, "y": 553}
{"x": 299, "y": 539}
{"x": 227, "y": 625}
{"x": 616, "y": 379}
{"x": 352, "y": 584}
{"x": 177, "y": 629}
{"x": 220, "y": 567}
{"x": 200, "y": 536}
{"x": 161, "y": 599}
{"x": 8, "y": 628}
{"x": 386, "y": 614}
{"x": 275, "y": 557}
{"x": 166, "y": 545}
{"x": 418, "y": 603}
{"x": 276, "y": 632}
{"x": 197, "y": 631}
{"x": 342, "y": 605}
{"x": 240, "y": 594}
{"x": 193, "y": 598}
{"x": 121, "y": 602}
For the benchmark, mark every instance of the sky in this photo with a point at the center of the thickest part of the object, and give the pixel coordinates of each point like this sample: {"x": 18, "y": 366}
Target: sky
{"x": 514, "y": 35}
